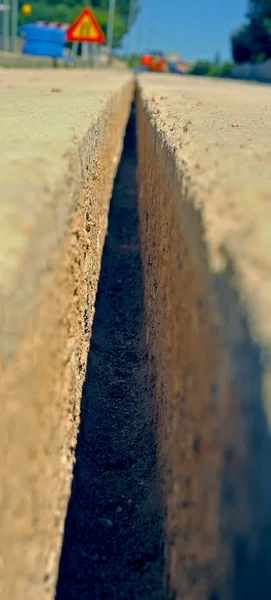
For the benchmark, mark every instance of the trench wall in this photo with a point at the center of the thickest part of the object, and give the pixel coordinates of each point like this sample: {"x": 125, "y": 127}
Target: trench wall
{"x": 205, "y": 367}
{"x": 202, "y": 171}
{"x": 43, "y": 365}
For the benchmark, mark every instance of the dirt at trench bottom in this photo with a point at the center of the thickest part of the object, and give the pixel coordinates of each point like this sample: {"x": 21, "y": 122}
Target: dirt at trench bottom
{"x": 112, "y": 546}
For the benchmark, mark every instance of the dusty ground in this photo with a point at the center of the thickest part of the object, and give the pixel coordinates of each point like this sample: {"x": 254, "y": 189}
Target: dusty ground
{"x": 112, "y": 545}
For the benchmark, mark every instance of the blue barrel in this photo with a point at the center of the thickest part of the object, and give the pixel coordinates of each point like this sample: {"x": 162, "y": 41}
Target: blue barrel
{"x": 43, "y": 41}
{"x": 173, "y": 68}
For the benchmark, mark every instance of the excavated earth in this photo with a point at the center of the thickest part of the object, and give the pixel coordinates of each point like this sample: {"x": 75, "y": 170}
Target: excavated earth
{"x": 62, "y": 138}
{"x": 155, "y": 478}
{"x": 113, "y": 540}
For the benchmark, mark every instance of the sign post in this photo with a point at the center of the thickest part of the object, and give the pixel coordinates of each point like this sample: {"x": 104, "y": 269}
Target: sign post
{"x": 74, "y": 49}
{"x": 84, "y": 52}
{"x": 14, "y": 24}
{"x": 131, "y": 14}
{"x": 95, "y": 55}
{"x": 110, "y": 24}
{"x": 4, "y": 8}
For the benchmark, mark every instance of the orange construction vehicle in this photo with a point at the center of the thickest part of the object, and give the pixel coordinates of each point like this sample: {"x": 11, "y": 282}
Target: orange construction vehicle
{"x": 154, "y": 62}
{"x": 157, "y": 61}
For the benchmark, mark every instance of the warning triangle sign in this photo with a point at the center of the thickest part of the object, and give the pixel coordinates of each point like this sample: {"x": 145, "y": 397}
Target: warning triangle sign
{"x": 85, "y": 29}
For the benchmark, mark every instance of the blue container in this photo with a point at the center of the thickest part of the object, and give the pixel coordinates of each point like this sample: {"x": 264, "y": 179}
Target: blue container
{"x": 43, "y": 41}
{"x": 173, "y": 68}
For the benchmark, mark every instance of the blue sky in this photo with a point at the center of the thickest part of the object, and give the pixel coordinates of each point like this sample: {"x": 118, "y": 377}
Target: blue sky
{"x": 193, "y": 28}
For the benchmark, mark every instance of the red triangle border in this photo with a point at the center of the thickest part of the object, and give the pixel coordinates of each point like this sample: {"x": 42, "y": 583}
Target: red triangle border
{"x": 69, "y": 33}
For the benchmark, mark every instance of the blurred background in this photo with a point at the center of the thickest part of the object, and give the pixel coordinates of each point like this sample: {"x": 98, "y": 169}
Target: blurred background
{"x": 214, "y": 38}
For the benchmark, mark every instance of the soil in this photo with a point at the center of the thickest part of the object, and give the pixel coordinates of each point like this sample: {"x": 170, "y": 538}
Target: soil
{"x": 112, "y": 546}
{"x": 44, "y": 343}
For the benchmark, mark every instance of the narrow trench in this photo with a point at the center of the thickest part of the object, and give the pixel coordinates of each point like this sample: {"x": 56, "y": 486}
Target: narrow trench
{"x": 112, "y": 546}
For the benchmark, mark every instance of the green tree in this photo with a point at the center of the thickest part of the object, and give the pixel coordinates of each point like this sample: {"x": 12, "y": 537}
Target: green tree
{"x": 252, "y": 42}
{"x": 201, "y": 68}
{"x": 259, "y": 9}
{"x": 206, "y": 68}
{"x": 66, "y": 11}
